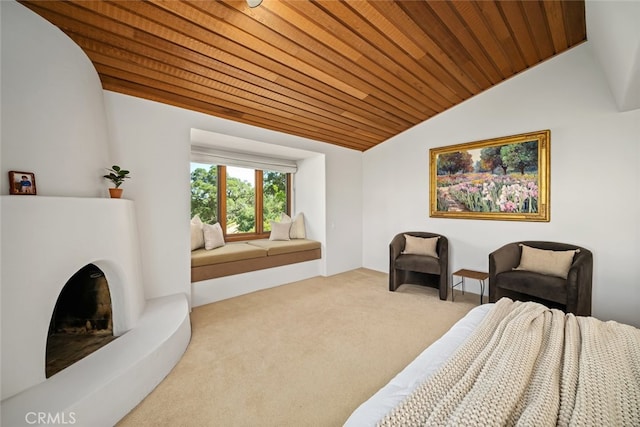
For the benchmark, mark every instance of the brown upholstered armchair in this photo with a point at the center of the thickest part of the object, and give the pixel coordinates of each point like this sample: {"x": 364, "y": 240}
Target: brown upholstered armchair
{"x": 419, "y": 269}
{"x": 573, "y": 294}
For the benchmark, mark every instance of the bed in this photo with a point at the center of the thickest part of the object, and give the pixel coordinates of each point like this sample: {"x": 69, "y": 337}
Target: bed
{"x": 513, "y": 362}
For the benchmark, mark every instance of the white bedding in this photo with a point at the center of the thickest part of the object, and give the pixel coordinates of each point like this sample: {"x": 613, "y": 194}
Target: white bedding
{"x": 427, "y": 362}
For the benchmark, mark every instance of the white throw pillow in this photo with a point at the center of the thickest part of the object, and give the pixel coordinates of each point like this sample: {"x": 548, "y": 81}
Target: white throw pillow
{"x": 297, "y": 230}
{"x": 553, "y": 263}
{"x": 280, "y": 230}
{"x": 420, "y": 245}
{"x": 213, "y": 236}
{"x": 197, "y": 237}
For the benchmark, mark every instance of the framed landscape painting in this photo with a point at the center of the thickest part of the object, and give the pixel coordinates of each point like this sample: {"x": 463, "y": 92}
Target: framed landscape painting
{"x": 503, "y": 178}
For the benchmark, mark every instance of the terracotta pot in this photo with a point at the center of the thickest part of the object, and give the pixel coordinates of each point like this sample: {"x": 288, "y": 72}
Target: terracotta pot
{"x": 115, "y": 193}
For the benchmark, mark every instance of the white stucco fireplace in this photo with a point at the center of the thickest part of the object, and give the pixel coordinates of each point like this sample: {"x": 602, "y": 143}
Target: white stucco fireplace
{"x": 45, "y": 240}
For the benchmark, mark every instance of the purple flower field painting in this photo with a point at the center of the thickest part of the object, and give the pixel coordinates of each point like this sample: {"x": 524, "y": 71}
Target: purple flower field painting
{"x": 504, "y": 178}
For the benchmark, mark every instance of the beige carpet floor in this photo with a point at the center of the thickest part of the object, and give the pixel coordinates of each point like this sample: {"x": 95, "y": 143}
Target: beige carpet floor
{"x": 302, "y": 354}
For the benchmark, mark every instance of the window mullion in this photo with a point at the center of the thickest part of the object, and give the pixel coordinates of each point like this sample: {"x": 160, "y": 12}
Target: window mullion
{"x": 288, "y": 202}
{"x": 222, "y": 198}
{"x": 259, "y": 203}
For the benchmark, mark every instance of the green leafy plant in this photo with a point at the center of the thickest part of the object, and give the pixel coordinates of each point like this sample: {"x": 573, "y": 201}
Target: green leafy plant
{"x": 117, "y": 175}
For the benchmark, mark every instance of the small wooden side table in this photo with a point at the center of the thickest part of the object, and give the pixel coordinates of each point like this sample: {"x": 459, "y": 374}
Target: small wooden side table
{"x": 480, "y": 276}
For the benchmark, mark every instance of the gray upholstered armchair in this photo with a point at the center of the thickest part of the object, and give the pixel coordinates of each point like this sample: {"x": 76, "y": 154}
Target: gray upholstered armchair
{"x": 419, "y": 269}
{"x": 573, "y": 294}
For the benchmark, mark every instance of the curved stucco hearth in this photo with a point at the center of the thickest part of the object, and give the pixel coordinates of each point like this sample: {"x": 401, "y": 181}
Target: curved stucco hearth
{"x": 45, "y": 240}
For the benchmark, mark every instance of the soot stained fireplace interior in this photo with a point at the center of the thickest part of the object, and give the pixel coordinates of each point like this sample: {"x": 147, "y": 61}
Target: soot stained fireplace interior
{"x": 82, "y": 320}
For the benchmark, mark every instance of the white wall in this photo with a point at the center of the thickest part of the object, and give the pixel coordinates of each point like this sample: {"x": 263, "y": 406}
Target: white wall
{"x": 309, "y": 198}
{"x": 153, "y": 145}
{"x": 53, "y": 118}
{"x": 595, "y": 200}
{"x": 153, "y": 140}
{"x": 613, "y": 30}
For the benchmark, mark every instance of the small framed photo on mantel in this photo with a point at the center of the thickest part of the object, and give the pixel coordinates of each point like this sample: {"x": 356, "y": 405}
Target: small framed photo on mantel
{"x": 22, "y": 183}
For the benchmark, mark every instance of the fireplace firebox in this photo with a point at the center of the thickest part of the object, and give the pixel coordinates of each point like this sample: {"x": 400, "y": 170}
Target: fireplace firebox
{"x": 82, "y": 320}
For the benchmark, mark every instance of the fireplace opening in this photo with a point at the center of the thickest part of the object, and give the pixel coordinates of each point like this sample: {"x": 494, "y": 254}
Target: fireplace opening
{"x": 82, "y": 320}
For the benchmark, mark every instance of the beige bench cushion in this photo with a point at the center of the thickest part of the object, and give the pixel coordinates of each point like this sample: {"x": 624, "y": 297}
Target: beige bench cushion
{"x": 277, "y": 247}
{"x": 227, "y": 253}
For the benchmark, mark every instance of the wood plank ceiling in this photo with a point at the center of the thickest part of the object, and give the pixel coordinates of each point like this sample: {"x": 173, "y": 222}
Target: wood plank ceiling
{"x": 349, "y": 73}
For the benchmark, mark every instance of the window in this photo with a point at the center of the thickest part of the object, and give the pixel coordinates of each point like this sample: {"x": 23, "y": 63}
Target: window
{"x": 242, "y": 200}
{"x": 204, "y": 192}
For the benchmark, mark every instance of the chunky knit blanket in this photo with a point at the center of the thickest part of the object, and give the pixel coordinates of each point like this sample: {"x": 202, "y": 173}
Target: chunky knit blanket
{"x": 533, "y": 366}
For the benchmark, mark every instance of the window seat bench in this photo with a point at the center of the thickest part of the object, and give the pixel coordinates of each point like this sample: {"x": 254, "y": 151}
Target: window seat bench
{"x": 241, "y": 257}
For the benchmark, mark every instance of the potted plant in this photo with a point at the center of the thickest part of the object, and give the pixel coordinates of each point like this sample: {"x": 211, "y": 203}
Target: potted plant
{"x": 116, "y": 175}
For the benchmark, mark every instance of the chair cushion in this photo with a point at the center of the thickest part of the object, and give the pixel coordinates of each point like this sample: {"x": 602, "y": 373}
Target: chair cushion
{"x": 235, "y": 251}
{"x": 554, "y": 263}
{"x": 420, "y": 245}
{"x": 278, "y": 247}
{"x": 538, "y": 285}
{"x": 420, "y": 263}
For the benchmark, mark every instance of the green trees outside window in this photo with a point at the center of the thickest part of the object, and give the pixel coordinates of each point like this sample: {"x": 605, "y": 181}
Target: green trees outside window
{"x": 235, "y": 197}
{"x": 204, "y": 192}
{"x": 240, "y": 198}
{"x": 274, "y": 196}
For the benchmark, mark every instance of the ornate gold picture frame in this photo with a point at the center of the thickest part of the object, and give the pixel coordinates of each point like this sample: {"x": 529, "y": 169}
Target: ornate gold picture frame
{"x": 503, "y": 178}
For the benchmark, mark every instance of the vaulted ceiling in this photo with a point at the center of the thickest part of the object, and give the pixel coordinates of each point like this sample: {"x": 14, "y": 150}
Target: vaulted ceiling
{"x": 349, "y": 73}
